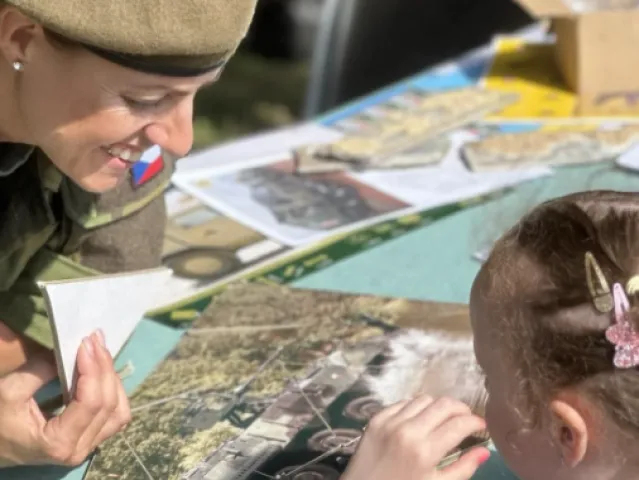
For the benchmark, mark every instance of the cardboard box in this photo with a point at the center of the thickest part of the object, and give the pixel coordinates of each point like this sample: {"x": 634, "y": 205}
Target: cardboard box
{"x": 595, "y": 52}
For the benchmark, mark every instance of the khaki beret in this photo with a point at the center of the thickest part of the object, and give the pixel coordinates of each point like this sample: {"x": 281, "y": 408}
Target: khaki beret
{"x": 160, "y": 36}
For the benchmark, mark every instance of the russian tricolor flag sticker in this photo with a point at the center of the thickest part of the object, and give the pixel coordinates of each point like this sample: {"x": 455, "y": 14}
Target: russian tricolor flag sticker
{"x": 150, "y": 164}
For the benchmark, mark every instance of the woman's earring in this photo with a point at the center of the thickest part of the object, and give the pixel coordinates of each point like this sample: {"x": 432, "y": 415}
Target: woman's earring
{"x": 18, "y": 66}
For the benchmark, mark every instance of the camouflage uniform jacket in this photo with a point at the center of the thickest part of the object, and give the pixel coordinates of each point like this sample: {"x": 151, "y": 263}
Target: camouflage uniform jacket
{"x": 50, "y": 229}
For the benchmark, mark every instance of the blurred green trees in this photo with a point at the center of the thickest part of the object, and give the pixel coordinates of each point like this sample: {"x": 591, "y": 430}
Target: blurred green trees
{"x": 253, "y": 94}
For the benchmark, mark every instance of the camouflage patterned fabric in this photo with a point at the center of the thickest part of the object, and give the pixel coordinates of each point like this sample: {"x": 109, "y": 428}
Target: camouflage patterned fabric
{"x": 52, "y": 230}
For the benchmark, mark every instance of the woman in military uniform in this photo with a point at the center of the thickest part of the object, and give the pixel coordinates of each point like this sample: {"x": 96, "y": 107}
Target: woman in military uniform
{"x": 87, "y": 87}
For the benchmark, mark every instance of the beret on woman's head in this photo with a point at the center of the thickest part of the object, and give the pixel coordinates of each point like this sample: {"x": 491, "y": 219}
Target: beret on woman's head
{"x": 171, "y": 37}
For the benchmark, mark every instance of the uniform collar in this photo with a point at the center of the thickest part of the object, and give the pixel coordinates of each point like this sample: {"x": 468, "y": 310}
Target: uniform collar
{"x": 13, "y": 156}
{"x": 50, "y": 176}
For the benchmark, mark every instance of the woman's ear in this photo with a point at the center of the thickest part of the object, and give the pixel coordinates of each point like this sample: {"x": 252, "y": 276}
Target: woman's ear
{"x": 17, "y": 32}
{"x": 569, "y": 431}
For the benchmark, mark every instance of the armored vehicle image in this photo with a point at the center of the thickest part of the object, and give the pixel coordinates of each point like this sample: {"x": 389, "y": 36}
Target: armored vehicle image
{"x": 202, "y": 245}
{"x": 269, "y": 382}
{"x": 311, "y": 203}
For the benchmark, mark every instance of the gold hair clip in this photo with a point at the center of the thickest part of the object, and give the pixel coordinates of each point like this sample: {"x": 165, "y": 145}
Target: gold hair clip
{"x": 632, "y": 286}
{"x": 598, "y": 286}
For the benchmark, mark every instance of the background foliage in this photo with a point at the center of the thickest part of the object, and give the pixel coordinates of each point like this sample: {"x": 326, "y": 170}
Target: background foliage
{"x": 253, "y": 94}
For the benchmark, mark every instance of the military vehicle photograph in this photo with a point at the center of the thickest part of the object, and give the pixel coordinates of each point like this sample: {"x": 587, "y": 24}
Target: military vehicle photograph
{"x": 271, "y": 197}
{"x": 203, "y": 246}
{"x": 272, "y": 382}
{"x": 315, "y": 204}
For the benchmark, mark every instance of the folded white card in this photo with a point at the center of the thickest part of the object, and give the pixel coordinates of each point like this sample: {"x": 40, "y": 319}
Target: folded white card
{"x": 113, "y": 303}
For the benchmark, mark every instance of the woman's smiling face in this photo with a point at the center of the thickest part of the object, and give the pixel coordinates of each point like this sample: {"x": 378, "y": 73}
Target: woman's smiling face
{"x": 91, "y": 117}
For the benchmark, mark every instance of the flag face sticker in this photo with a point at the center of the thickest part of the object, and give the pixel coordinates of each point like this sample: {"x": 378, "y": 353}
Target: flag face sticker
{"x": 150, "y": 164}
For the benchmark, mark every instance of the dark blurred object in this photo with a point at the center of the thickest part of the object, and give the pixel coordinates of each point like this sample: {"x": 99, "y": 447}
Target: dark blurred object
{"x": 363, "y": 45}
{"x": 284, "y": 29}
{"x": 271, "y": 33}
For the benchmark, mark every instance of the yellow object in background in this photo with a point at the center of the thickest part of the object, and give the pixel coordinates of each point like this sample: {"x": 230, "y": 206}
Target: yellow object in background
{"x": 529, "y": 70}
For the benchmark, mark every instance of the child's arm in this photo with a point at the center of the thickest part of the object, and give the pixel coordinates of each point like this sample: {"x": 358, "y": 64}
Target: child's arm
{"x": 407, "y": 441}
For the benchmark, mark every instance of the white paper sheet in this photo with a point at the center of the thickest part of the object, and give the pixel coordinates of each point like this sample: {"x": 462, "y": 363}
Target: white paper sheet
{"x": 447, "y": 182}
{"x": 113, "y": 303}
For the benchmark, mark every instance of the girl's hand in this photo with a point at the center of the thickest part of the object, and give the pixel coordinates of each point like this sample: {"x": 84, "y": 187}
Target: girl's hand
{"x": 407, "y": 441}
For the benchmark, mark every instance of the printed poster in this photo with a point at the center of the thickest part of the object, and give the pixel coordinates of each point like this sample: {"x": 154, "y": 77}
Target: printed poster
{"x": 202, "y": 246}
{"x": 293, "y": 209}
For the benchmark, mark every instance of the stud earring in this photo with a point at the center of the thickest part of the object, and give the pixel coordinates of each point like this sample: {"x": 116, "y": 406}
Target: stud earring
{"x": 18, "y": 66}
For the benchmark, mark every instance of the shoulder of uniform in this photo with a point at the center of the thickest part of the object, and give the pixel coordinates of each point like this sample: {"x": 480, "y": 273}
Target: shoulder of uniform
{"x": 147, "y": 180}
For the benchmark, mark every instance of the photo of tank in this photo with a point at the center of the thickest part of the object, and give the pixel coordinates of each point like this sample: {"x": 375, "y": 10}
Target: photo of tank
{"x": 204, "y": 246}
{"x": 269, "y": 380}
{"x": 304, "y": 424}
{"x": 291, "y": 209}
{"x": 307, "y": 202}
{"x": 308, "y": 433}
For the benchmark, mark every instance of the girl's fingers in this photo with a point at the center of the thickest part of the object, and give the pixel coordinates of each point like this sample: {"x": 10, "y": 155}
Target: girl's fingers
{"x": 451, "y": 434}
{"x": 436, "y": 413}
{"x": 412, "y": 408}
{"x": 466, "y": 466}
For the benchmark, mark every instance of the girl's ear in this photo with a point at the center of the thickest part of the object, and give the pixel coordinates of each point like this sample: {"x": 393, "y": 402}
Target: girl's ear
{"x": 569, "y": 431}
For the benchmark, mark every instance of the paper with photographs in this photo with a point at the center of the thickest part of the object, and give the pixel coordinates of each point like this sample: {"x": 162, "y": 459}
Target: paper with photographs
{"x": 202, "y": 246}
{"x": 568, "y": 145}
{"x": 267, "y": 195}
{"x": 450, "y": 180}
{"x": 405, "y": 130}
{"x": 270, "y": 196}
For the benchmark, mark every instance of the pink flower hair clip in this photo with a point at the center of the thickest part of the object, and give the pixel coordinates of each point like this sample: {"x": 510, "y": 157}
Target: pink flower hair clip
{"x": 623, "y": 334}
